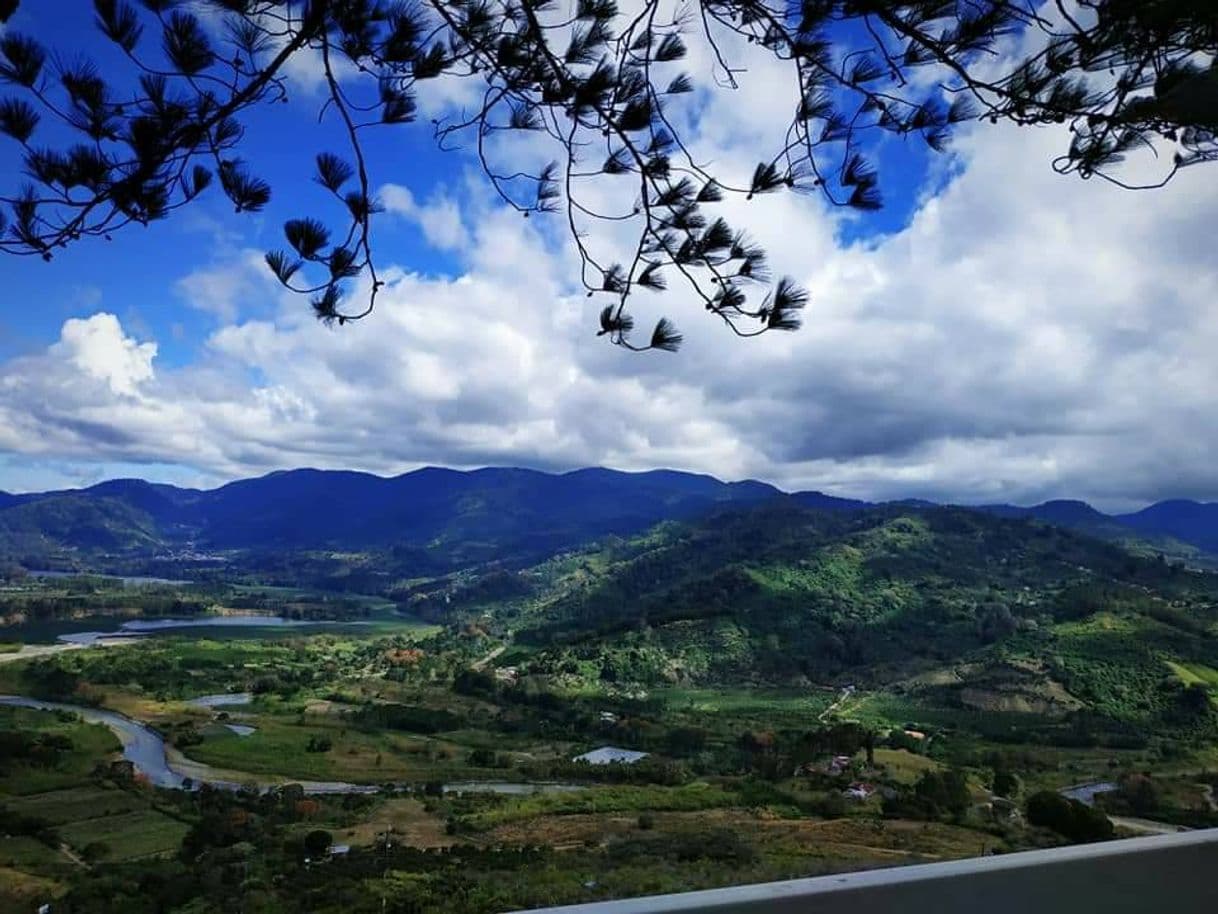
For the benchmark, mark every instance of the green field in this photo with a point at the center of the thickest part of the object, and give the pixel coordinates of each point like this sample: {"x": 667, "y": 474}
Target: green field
{"x": 688, "y": 798}
{"x": 279, "y": 747}
{"x": 92, "y": 802}
{"x": 1194, "y": 673}
{"x": 128, "y": 836}
{"x": 91, "y": 743}
{"x": 28, "y": 854}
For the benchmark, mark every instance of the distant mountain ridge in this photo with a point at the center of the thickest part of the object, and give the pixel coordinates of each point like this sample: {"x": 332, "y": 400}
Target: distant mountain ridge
{"x": 474, "y": 515}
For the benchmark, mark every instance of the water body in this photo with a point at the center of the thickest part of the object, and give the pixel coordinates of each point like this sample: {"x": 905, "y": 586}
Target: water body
{"x": 225, "y": 700}
{"x": 136, "y": 628}
{"x": 134, "y": 580}
{"x": 145, "y": 749}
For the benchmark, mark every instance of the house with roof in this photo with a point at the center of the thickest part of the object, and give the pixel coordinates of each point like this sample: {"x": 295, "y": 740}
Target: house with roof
{"x": 859, "y": 790}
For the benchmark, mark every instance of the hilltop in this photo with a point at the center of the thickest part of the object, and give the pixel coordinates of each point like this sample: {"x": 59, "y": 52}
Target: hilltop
{"x": 434, "y": 519}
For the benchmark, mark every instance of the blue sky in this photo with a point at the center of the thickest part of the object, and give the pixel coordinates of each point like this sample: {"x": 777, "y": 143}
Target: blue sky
{"x": 137, "y": 272}
{"x": 995, "y": 333}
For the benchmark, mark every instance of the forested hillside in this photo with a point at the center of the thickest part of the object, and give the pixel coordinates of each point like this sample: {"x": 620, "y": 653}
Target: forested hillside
{"x": 959, "y": 610}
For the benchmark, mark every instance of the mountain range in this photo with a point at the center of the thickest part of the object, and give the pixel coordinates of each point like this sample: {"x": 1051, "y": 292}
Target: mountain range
{"x": 493, "y": 513}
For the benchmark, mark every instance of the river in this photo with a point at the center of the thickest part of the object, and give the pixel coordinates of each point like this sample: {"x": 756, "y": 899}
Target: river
{"x": 146, "y": 750}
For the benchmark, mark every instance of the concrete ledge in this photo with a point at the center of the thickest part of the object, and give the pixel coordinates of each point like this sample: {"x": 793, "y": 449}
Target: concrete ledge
{"x": 1177, "y": 873}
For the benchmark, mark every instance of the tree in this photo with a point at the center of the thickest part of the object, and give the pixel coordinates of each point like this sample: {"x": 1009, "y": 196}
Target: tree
{"x": 600, "y": 86}
{"x": 944, "y": 790}
{"x": 95, "y": 851}
{"x": 1142, "y": 793}
{"x": 1006, "y": 783}
{"x": 317, "y": 842}
{"x": 995, "y": 622}
{"x": 1069, "y": 818}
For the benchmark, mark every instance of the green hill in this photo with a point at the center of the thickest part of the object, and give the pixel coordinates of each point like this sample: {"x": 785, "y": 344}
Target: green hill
{"x": 947, "y": 609}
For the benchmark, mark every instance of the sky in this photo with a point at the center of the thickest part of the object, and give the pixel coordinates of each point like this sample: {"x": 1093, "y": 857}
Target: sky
{"x": 998, "y": 333}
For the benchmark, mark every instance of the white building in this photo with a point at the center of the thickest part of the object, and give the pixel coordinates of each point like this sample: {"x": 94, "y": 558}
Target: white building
{"x": 610, "y": 755}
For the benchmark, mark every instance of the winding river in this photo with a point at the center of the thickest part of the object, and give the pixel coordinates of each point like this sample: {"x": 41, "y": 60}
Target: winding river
{"x": 146, "y": 750}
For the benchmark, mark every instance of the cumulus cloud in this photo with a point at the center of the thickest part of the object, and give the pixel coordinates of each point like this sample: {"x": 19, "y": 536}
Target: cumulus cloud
{"x": 98, "y": 349}
{"x": 1025, "y": 336}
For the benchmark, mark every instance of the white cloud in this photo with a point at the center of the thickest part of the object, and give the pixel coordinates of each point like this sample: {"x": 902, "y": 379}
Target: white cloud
{"x": 1026, "y": 336}
{"x": 440, "y": 218}
{"x": 97, "y": 348}
{"x": 227, "y": 288}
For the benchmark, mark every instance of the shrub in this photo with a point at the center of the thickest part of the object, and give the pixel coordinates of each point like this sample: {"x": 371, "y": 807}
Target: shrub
{"x": 1006, "y": 784}
{"x": 318, "y": 841}
{"x": 1069, "y": 818}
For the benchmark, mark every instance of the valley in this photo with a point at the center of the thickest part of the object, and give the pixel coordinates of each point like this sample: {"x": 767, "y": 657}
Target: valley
{"x": 794, "y": 690}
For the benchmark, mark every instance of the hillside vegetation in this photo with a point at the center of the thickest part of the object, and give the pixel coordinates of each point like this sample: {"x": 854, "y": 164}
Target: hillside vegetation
{"x": 968, "y": 614}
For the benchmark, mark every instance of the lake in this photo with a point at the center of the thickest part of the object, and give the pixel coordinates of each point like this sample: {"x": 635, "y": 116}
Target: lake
{"x": 91, "y": 629}
{"x": 133, "y": 580}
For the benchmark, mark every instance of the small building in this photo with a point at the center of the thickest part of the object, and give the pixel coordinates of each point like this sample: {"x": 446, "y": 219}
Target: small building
{"x": 830, "y": 767}
{"x": 915, "y": 734}
{"x": 610, "y": 755}
{"x": 859, "y": 791}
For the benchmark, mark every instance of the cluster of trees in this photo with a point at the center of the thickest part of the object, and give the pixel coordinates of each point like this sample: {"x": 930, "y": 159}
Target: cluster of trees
{"x": 29, "y": 747}
{"x": 410, "y": 718}
{"x": 15, "y": 823}
{"x": 149, "y": 602}
{"x": 1069, "y": 818}
{"x": 934, "y": 795}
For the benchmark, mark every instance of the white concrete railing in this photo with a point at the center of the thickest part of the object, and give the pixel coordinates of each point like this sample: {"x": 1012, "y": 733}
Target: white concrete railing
{"x": 1173, "y": 874}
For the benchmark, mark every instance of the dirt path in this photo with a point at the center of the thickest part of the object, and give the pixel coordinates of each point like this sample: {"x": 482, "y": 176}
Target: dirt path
{"x": 479, "y": 664}
{"x": 1146, "y": 826}
{"x": 71, "y": 855}
{"x": 841, "y": 700}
